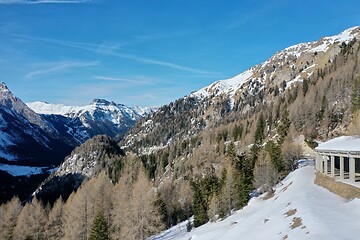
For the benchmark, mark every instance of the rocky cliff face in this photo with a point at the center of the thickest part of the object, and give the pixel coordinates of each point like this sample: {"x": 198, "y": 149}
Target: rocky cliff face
{"x": 26, "y": 138}
{"x": 14, "y": 104}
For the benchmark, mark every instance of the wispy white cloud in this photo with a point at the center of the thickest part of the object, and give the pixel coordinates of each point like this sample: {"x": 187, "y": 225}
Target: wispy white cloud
{"x": 43, "y": 1}
{"x": 53, "y": 68}
{"x": 141, "y": 80}
{"x": 243, "y": 17}
{"x": 117, "y": 52}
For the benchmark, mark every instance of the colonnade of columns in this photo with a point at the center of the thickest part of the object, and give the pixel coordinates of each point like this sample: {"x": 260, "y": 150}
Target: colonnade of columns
{"x": 325, "y": 163}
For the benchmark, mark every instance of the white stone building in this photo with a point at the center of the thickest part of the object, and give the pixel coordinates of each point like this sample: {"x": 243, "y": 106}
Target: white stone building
{"x": 339, "y": 157}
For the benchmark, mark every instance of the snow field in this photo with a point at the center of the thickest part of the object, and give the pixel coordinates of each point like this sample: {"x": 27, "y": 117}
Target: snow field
{"x": 299, "y": 209}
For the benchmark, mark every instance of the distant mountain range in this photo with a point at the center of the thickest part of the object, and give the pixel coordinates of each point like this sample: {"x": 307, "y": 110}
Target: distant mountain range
{"x": 36, "y": 137}
{"x": 80, "y": 123}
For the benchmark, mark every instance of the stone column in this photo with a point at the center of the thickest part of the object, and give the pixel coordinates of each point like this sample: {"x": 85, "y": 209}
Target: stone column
{"x": 325, "y": 164}
{"x": 332, "y": 166}
{"x": 352, "y": 169}
{"x": 341, "y": 167}
{"x": 321, "y": 165}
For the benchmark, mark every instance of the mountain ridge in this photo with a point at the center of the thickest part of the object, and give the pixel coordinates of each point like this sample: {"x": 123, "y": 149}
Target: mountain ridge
{"x": 98, "y": 117}
{"x": 231, "y": 85}
{"x": 259, "y": 85}
{"x": 68, "y": 110}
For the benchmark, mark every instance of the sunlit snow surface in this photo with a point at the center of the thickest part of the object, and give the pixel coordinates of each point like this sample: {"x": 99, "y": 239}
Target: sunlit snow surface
{"x": 21, "y": 170}
{"x": 323, "y": 215}
{"x": 60, "y": 109}
{"x": 343, "y": 143}
{"x": 228, "y": 85}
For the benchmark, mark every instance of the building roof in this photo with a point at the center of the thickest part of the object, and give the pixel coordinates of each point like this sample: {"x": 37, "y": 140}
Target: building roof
{"x": 340, "y": 144}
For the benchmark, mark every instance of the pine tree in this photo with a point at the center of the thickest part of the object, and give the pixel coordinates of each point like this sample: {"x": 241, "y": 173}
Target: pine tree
{"x": 284, "y": 125}
{"x": 142, "y": 216}
{"x": 76, "y": 211}
{"x": 9, "y": 214}
{"x": 275, "y": 155}
{"x": 355, "y": 98}
{"x": 31, "y": 221}
{"x": 213, "y": 210}
{"x": 100, "y": 228}
{"x": 54, "y": 226}
{"x": 260, "y": 128}
{"x": 228, "y": 192}
{"x": 305, "y": 86}
{"x": 199, "y": 206}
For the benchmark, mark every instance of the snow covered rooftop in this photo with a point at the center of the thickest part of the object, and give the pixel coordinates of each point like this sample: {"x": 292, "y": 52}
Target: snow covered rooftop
{"x": 341, "y": 144}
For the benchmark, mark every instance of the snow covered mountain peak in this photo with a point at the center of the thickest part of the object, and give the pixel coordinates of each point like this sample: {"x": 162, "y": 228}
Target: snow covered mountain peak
{"x": 290, "y": 65}
{"x": 6, "y": 94}
{"x": 3, "y": 87}
{"x": 14, "y": 104}
{"x": 56, "y": 109}
{"x": 96, "y": 104}
{"x": 98, "y": 117}
{"x": 99, "y": 101}
{"x": 229, "y": 85}
{"x": 322, "y": 44}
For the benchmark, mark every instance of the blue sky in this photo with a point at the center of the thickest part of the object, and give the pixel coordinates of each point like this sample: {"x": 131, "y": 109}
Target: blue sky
{"x": 142, "y": 52}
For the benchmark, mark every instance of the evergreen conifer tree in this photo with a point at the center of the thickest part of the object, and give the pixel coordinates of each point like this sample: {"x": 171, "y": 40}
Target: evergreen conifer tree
{"x": 100, "y": 228}
{"x": 355, "y": 98}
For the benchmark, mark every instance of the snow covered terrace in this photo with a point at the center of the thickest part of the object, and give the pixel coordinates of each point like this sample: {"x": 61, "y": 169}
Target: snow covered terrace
{"x": 340, "y": 157}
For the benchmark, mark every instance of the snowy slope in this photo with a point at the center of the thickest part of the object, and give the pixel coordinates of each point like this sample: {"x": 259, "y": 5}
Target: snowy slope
{"x": 72, "y": 111}
{"x": 113, "y": 111}
{"x": 57, "y": 109}
{"x": 16, "y": 105}
{"x": 20, "y": 126}
{"x": 298, "y": 210}
{"x": 225, "y": 86}
{"x": 79, "y": 123}
{"x": 292, "y": 65}
{"x": 17, "y": 170}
